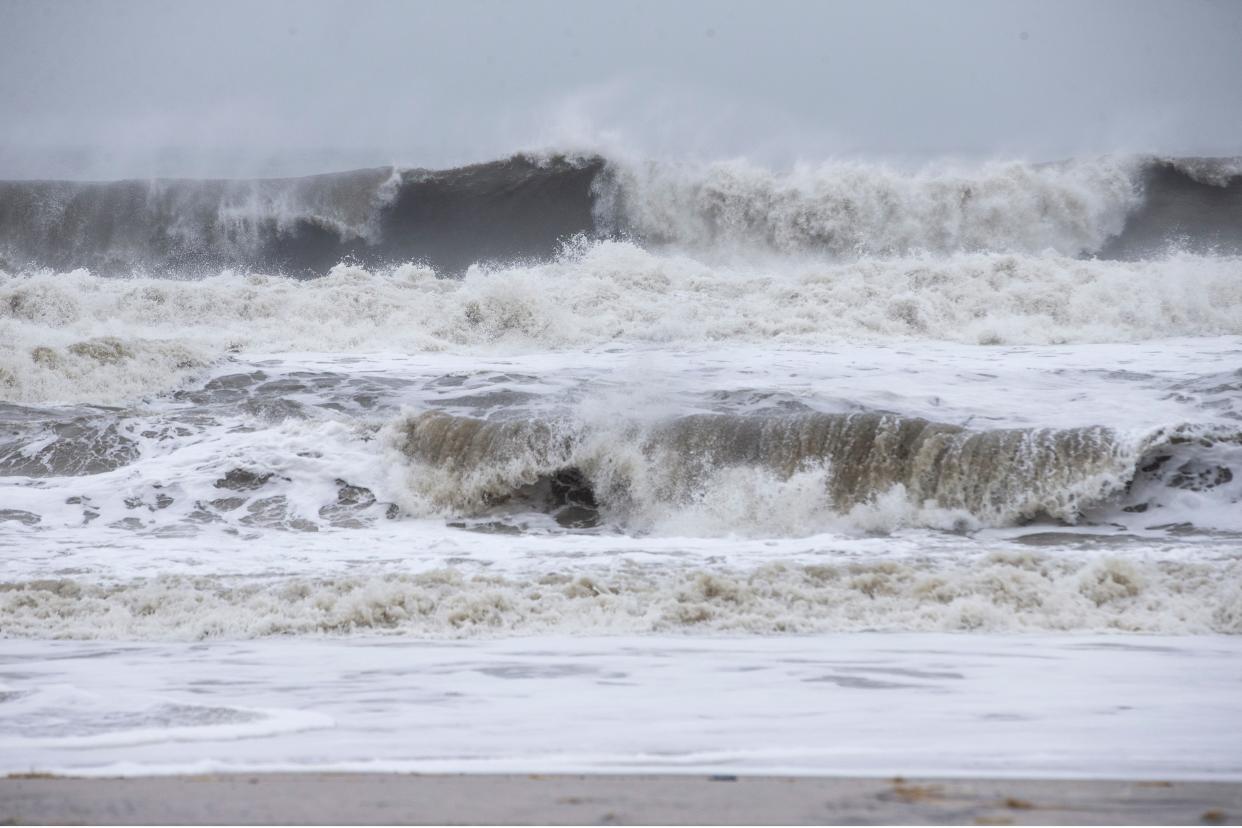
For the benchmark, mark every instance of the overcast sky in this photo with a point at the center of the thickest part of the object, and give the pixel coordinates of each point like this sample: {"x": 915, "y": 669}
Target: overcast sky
{"x": 244, "y": 86}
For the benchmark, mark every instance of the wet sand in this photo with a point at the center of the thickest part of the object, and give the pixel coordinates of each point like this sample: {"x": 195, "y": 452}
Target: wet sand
{"x": 382, "y": 798}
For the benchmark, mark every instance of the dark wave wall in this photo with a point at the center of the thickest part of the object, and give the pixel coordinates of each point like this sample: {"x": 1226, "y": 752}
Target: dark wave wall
{"x": 525, "y": 207}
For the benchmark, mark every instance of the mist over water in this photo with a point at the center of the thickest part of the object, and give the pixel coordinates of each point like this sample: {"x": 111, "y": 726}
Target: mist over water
{"x": 289, "y": 88}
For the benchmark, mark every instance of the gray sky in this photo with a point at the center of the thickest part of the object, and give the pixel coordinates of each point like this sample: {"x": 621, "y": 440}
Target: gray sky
{"x": 244, "y": 86}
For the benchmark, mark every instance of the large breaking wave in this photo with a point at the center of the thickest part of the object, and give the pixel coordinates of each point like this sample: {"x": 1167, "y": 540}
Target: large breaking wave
{"x": 801, "y": 473}
{"x": 525, "y": 206}
{"x": 769, "y": 473}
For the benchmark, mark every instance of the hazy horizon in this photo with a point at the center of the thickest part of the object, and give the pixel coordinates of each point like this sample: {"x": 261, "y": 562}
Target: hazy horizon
{"x": 135, "y": 87}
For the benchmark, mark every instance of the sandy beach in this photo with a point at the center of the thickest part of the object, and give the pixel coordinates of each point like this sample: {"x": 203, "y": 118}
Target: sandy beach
{"x": 318, "y": 798}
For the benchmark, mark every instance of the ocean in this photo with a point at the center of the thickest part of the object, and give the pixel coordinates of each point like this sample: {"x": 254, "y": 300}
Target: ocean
{"x": 571, "y": 463}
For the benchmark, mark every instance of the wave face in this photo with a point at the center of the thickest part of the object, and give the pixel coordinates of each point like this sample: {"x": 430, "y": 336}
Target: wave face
{"x": 526, "y": 207}
{"x": 1120, "y": 208}
{"x": 516, "y": 208}
{"x": 803, "y": 472}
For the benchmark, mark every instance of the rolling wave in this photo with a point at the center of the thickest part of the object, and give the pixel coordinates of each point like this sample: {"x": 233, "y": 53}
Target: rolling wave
{"x": 803, "y": 472}
{"x": 525, "y": 207}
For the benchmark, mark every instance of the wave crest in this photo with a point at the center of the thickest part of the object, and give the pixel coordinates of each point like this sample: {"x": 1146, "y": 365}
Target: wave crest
{"x": 796, "y": 474}
{"x": 852, "y": 209}
{"x": 525, "y": 206}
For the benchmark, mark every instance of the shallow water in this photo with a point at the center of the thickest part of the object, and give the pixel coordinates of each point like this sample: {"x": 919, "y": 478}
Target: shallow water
{"x": 883, "y": 704}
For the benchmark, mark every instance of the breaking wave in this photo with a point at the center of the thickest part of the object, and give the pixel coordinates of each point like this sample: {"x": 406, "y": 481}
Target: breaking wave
{"x": 518, "y": 207}
{"x": 852, "y": 209}
{"x": 1123, "y": 208}
{"x": 525, "y": 206}
{"x": 803, "y": 473}
{"x": 246, "y": 469}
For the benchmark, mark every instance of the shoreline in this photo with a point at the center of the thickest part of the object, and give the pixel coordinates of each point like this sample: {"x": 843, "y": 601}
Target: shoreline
{"x": 607, "y": 799}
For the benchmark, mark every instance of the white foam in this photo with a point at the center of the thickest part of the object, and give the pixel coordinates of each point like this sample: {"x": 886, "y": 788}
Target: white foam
{"x": 850, "y": 208}
{"x": 180, "y": 460}
{"x": 62, "y": 716}
{"x": 999, "y": 592}
{"x": 76, "y": 337}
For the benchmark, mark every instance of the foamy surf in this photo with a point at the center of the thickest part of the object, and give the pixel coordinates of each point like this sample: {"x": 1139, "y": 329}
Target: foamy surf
{"x": 999, "y": 592}
{"x": 636, "y": 397}
{"x": 712, "y": 416}
{"x": 77, "y": 337}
